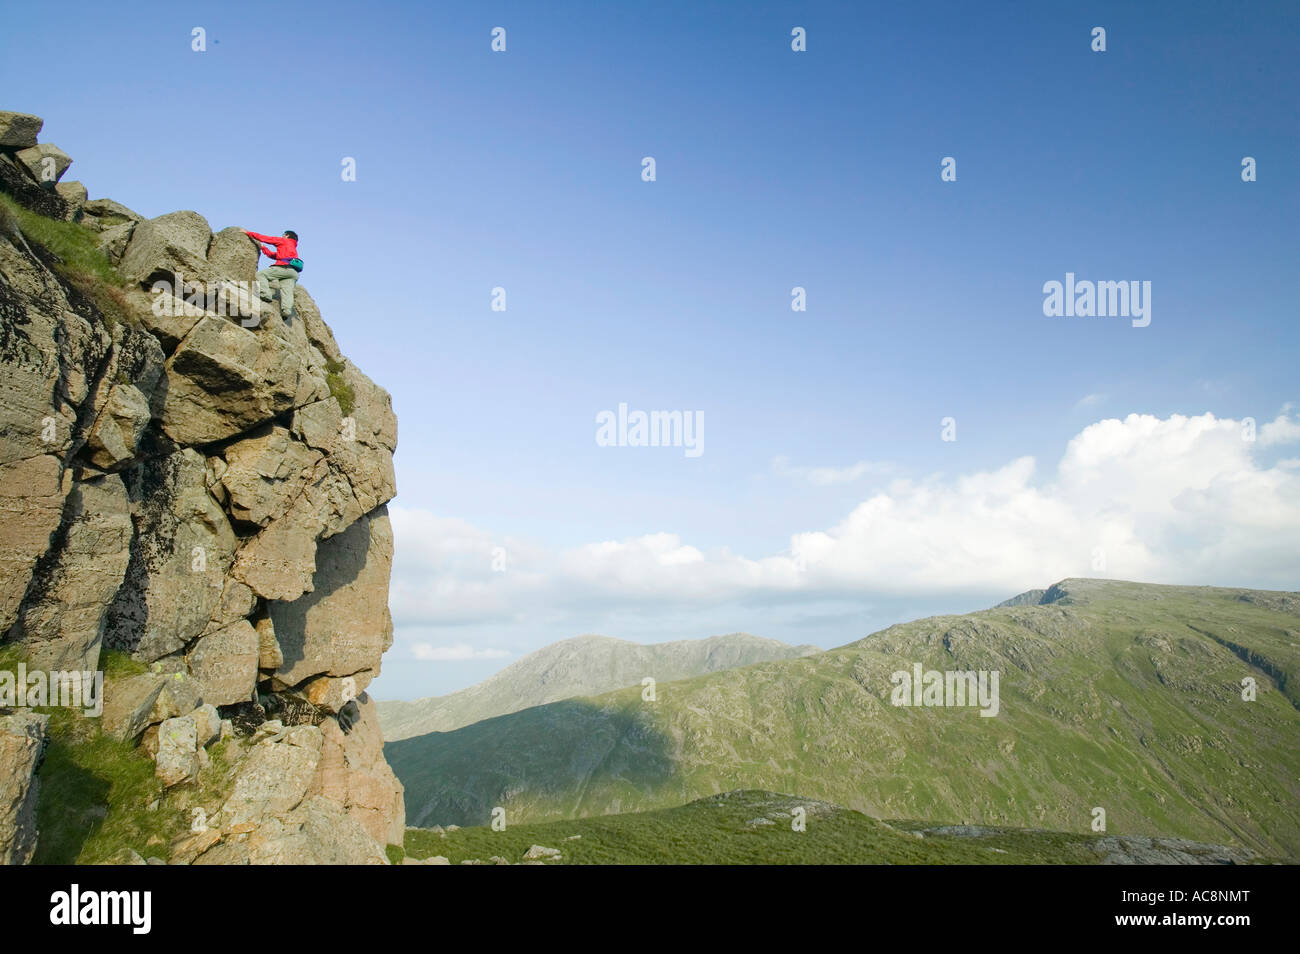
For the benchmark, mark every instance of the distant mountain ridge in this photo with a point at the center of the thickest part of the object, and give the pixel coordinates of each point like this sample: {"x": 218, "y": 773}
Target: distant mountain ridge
{"x": 1124, "y": 696}
{"x": 581, "y": 666}
{"x": 1027, "y": 598}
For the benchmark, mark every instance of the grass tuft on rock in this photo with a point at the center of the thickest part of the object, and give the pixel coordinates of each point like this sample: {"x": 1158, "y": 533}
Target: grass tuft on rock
{"x": 79, "y": 260}
{"x": 339, "y": 387}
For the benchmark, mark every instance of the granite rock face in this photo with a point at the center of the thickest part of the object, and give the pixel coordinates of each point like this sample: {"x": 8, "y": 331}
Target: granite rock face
{"x": 195, "y": 484}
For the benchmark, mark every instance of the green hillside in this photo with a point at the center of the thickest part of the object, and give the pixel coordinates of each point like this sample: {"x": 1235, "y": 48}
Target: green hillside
{"x": 1116, "y": 695}
{"x": 758, "y": 828}
{"x": 581, "y": 666}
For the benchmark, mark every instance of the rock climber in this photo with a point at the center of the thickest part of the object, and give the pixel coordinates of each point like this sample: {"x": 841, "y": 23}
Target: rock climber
{"x": 283, "y": 270}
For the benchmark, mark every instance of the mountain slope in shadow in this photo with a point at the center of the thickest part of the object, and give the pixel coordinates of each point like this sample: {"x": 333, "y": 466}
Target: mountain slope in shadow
{"x": 582, "y": 666}
{"x": 1120, "y": 696}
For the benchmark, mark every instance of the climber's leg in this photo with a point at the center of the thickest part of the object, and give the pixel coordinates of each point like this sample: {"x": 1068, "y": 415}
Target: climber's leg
{"x": 287, "y": 285}
{"x": 264, "y": 284}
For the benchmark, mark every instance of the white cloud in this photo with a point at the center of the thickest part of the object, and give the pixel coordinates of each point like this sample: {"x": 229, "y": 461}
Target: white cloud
{"x": 1281, "y": 430}
{"x": 1088, "y": 400}
{"x": 826, "y": 476}
{"x": 1180, "y": 499}
{"x": 460, "y": 652}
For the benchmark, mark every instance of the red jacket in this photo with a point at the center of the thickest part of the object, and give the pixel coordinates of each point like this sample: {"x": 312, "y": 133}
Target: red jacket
{"x": 285, "y": 247}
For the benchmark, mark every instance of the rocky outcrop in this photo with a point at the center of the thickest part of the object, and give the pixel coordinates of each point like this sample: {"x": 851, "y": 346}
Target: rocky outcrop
{"x": 189, "y": 480}
{"x": 170, "y": 245}
{"x": 299, "y": 783}
{"x": 22, "y": 747}
{"x": 19, "y": 130}
{"x": 45, "y": 162}
{"x": 60, "y": 618}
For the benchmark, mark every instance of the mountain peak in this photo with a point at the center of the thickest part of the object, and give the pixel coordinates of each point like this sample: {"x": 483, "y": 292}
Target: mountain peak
{"x": 579, "y": 666}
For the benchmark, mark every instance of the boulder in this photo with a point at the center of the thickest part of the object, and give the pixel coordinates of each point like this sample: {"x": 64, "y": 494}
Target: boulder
{"x": 62, "y": 616}
{"x": 279, "y": 563}
{"x": 541, "y": 852}
{"x": 178, "y": 754}
{"x": 120, "y": 397}
{"x": 265, "y": 472}
{"x": 19, "y": 130}
{"x": 180, "y": 694}
{"x": 74, "y": 193}
{"x": 171, "y": 248}
{"x": 224, "y": 663}
{"x": 114, "y": 240}
{"x": 106, "y": 210}
{"x": 164, "y": 315}
{"x": 223, "y": 380}
{"x": 207, "y": 725}
{"x": 23, "y": 737}
{"x": 238, "y": 301}
{"x": 237, "y": 603}
{"x": 332, "y": 693}
{"x": 343, "y": 626}
{"x": 46, "y": 163}
{"x": 332, "y": 500}
{"x": 275, "y": 777}
{"x": 129, "y": 704}
{"x": 359, "y": 445}
{"x": 272, "y": 729}
{"x": 233, "y": 255}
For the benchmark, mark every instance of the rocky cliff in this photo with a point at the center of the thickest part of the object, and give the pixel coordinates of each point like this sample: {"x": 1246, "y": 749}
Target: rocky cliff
{"x": 192, "y": 496}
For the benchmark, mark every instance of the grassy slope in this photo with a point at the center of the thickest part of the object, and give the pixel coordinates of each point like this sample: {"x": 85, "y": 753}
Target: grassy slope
{"x": 584, "y": 665}
{"x": 721, "y": 830}
{"x": 1123, "y": 696}
{"x": 99, "y": 796}
{"x": 78, "y": 258}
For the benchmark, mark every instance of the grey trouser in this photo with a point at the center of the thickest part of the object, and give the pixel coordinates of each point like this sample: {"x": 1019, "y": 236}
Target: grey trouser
{"x": 285, "y": 277}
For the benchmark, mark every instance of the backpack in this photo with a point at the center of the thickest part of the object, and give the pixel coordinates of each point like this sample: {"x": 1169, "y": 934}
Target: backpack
{"x": 295, "y": 264}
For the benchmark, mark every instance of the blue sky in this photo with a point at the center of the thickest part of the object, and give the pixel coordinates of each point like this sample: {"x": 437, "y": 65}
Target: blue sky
{"x": 774, "y": 169}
